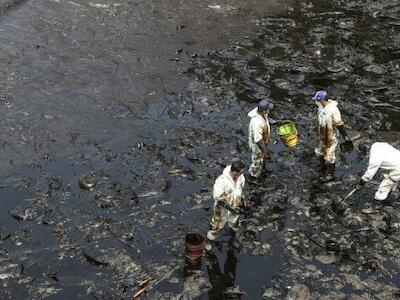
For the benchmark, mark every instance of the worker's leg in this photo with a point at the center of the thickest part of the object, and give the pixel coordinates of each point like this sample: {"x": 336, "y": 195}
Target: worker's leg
{"x": 233, "y": 223}
{"x": 385, "y": 187}
{"x": 320, "y": 149}
{"x": 220, "y": 217}
{"x": 395, "y": 186}
{"x": 257, "y": 161}
{"x": 330, "y": 158}
{"x": 217, "y": 222}
{"x": 330, "y": 153}
{"x": 395, "y": 176}
{"x": 320, "y": 152}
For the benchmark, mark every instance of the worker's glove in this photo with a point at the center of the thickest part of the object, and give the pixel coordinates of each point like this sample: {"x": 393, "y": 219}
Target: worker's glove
{"x": 235, "y": 210}
{"x": 347, "y": 146}
{"x": 360, "y": 184}
{"x": 267, "y": 154}
{"x": 343, "y": 132}
{"x": 263, "y": 148}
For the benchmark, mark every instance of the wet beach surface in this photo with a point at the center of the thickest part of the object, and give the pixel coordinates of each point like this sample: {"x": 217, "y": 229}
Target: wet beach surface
{"x": 148, "y": 101}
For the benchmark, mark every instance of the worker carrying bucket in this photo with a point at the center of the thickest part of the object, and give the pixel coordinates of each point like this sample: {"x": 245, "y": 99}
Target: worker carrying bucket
{"x": 288, "y": 133}
{"x": 329, "y": 122}
{"x": 259, "y": 132}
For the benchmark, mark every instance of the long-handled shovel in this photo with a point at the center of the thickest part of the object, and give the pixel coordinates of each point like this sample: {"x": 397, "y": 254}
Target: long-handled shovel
{"x": 337, "y": 206}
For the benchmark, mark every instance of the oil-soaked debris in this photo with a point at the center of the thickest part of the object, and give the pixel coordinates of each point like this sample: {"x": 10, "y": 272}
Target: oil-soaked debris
{"x": 328, "y": 258}
{"x": 91, "y": 259}
{"x": 9, "y": 269}
{"x": 44, "y": 289}
{"x": 195, "y": 285}
{"x": 298, "y": 292}
{"x": 86, "y": 183}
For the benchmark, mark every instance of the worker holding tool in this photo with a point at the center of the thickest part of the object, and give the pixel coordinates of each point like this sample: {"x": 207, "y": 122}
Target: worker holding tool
{"x": 329, "y": 123}
{"x": 386, "y": 157}
{"x": 228, "y": 198}
{"x": 259, "y": 132}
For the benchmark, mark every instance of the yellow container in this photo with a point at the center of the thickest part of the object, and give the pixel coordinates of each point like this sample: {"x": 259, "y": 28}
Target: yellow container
{"x": 288, "y": 133}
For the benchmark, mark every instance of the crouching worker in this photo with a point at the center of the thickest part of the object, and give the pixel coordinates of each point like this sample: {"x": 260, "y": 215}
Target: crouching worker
{"x": 228, "y": 197}
{"x": 382, "y": 156}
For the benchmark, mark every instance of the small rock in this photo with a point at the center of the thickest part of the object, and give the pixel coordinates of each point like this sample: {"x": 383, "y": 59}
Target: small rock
{"x": 326, "y": 259}
{"x": 166, "y": 185}
{"x": 86, "y": 183}
{"x": 271, "y": 293}
{"x": 298, "y": 292}
{"x": 368, "y": 210}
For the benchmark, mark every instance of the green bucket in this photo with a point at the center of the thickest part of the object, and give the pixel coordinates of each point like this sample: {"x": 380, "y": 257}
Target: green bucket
{"x": 288, "y": 133}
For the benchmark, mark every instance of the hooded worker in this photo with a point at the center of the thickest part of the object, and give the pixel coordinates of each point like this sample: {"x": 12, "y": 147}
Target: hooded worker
{"x": 329, "y": 123}
{"x": 228, "y": 198}
{"x": 259, "y": 132}
{"x": 386, "y": 157}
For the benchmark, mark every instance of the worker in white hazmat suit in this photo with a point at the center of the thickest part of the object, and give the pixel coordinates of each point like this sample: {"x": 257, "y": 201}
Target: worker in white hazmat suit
{"x": 387, "y": 158}
{"x": 259, "y": 132}
{"x": 329, "y": 123}
{"x": 228, "y": 198}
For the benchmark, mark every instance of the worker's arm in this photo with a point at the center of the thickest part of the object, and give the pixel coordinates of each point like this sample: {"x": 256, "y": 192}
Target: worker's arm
{"x": 219, "y": 193}
{"x": 338, "y": 122}
{"x": 373, "y": 167}
{"x": 243, "y": 197}
{"x": 263, "y": 147}
{"x": 258, "y": 136}
{"x": 343, "y": 132}
{"x": 360, "y": 184}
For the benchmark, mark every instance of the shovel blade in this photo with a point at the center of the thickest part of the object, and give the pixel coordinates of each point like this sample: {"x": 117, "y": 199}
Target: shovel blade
{"x": 338, "y": 206}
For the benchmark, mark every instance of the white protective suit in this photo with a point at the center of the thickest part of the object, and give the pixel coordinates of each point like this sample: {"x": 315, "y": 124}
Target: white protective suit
{"x": 230, "y": 192}
{"x": 259, "y": 129}
{"x": 384, "y": 156}
{"x": 328, "y": 119}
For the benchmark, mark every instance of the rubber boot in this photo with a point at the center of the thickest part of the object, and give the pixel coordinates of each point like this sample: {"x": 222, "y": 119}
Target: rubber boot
{"x": 253, "y": 180}
{"x": 322, "y": 164}
{"x": 235, "y": 244}
{"x": 209, "y": 242}
{"x": 330, "y": 171}
{"x": 208, "y": 246}
{"x": 391, "y": 199}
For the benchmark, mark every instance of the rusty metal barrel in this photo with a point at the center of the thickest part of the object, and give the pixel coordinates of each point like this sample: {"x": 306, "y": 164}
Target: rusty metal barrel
{"x": 194, "y": 249}
{"x": 194, "y": 245}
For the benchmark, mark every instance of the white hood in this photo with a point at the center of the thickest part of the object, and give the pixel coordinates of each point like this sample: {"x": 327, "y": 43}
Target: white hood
{"x": 331, "y": 104}
{"x": 253, "y": 113}
{"x": 227, "y": 170}
{"x": 227, "y": 173}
